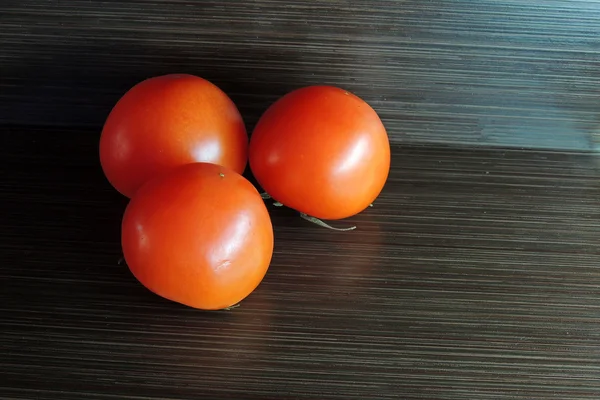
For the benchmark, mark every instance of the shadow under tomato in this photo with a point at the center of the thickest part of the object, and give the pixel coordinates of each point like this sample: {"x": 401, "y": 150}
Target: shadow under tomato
{"x": 312, "y": 259}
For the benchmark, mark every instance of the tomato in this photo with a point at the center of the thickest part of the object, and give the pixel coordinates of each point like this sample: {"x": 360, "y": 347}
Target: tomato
{"x": 199, "y": 235}
{"x": 322, "y": 151}
{"x": 167, "y": 121}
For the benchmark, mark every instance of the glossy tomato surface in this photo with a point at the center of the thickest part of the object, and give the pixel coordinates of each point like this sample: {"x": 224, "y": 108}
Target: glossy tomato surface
{"x": 199, "y": 235}
{"x": 322, "y": 151}
{"x": 167, "y": 121}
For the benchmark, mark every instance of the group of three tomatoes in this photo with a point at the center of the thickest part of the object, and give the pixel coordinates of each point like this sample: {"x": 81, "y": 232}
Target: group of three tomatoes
{"x": 195, "y": 231}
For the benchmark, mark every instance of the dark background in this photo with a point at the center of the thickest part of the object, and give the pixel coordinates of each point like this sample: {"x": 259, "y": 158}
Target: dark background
{"x": 513, "y": 72}
{"x": 476, "y": 275}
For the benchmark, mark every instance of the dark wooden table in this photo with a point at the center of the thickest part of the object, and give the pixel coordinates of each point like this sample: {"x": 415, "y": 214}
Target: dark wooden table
{"x": 475, "y": 275}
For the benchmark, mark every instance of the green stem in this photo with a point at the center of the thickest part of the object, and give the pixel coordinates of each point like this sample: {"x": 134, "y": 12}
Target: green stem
{"x": 314, "y": 220}
{"x": 267, "y": 196}
{"x": 323, "y": 224}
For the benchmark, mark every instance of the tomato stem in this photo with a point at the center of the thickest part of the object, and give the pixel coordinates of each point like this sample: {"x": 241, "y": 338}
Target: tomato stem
{"x": 231, "y": 307}
{"x": 323, "y": 224}
{"x": 314, "y": 220}
{"x": 267, "y": 196}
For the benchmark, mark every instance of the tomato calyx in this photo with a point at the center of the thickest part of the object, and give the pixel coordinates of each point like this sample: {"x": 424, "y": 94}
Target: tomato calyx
{"x": 267, "y": 196}
{"x": 319, "y": 222}
{"x": 314, "y": 220}
{"x": 231, "y": 307}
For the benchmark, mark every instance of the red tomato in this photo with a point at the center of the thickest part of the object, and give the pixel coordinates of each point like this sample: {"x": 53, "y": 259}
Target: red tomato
{"x": 322, "y": 151}
{"x": 167, "y": 121}
{"x": 199, "y": 235}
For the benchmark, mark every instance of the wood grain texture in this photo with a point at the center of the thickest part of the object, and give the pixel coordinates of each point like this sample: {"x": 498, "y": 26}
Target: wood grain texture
{"x": 476, "y": 275}
{"x": 507, "y": 73}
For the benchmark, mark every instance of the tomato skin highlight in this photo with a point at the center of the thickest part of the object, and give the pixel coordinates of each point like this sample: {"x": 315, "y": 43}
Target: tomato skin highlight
{"x": 321, "y": 151}
{"x": 166, "y": 121}
{"x": 199, "y": 235}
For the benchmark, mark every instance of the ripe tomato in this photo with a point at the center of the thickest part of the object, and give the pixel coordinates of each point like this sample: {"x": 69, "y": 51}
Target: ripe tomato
{"x": 322, "y": 151}
{"x": 199, "y": 235}
{"x": 167, "y": 121}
